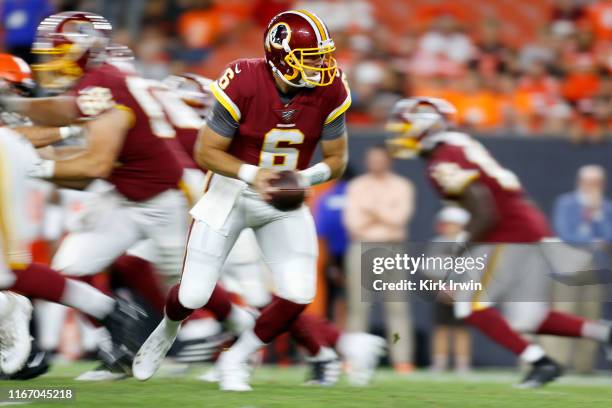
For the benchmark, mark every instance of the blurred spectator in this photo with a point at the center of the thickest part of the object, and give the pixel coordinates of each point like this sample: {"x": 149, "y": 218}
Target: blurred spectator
{"x": 492, "y": 54}
{"x": 565, "y": 15}
{"x": 443, "y": 50}
{"x": 478, "y": 106}
{"x": 600, "y": 16}
{"x": 331, "y": 231}
{"x": 585, "y": 215}
{"x": 198, "y": 27}
{"x": 379, "y": 206}
{"x": 19, "y": 20}
{"x": 449, "y": 224}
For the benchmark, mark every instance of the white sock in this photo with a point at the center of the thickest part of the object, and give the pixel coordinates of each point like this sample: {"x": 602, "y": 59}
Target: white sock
{"x": 532, "y": 353}
{"x": 247, "y": 344}
{"x": 171, "y": 325}
{"x": 240, "y": 320}
{"x": 87, "y": 299}
{"x": 596, "y": 331}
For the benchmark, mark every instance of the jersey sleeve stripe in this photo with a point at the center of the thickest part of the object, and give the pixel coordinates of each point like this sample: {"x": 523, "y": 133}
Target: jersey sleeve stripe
{"x": 128, "y": 110}
{"x": 225, "y": 101}
{"x": 461, "y": 188}
{"x": 339, "y": 110}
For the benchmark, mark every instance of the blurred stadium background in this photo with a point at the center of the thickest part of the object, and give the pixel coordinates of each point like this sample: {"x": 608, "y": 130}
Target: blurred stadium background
{"x": 531, "y": 77}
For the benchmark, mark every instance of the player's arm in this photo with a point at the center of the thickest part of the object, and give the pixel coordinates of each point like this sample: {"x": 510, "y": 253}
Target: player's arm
{"x": 106, "y": 134}
{"x": 41, "y": 136}
{"x": 477, "y": 200}
{"x": 334, "y": 148}
{"x": 50, "y": 111}
{"x": 211, "y": 148}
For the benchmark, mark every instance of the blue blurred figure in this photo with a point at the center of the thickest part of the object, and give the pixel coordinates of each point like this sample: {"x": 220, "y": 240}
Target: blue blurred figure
{"x": 584, "y": 216}
{"x": 330, "y": 228}
{"x": 20, "y": 18}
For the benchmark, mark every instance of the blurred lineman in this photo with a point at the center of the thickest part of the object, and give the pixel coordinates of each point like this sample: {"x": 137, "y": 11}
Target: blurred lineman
{"x": 504, "y": 226}
{"x": 270, "y": 115}
{"x": 18, "y": 160}
{"x": 379, "y": 206}
{"x": 126, "y": 130}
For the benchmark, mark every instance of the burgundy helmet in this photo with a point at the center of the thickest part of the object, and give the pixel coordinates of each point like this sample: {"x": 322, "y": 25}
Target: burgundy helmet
{"x": 299, "y": 49}
{"x": 413, "y": 119}
{"x": 68, "y": 44}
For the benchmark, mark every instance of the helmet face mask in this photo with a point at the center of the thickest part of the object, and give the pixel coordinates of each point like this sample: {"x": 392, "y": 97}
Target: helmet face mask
{"x": 412, "y": 120}
{"x": 316, "y": 66}
{"x": 299, "y": 50}
{"x": 68, "y": 44}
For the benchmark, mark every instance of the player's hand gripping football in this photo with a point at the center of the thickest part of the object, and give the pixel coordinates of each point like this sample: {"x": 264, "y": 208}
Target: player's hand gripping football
{"x": 262, "y": 183}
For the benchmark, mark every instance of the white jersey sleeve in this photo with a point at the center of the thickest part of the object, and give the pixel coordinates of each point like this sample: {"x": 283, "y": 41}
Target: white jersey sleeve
{"x": 17, "y": 159}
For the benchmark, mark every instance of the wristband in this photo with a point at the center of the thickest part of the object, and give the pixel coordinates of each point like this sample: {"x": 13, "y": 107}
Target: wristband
{"x": 247, "y": 173}
{"x": 43, "y": 169}
{"x": 317, "y": 174}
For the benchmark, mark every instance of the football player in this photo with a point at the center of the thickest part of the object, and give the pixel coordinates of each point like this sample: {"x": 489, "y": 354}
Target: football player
{"x": 504, "y": 226}
{"x": 245, "y": 274}
{"x": 126, "y": 129}
{"x": 270, "y": 115}
{"x": 35, "y": 280}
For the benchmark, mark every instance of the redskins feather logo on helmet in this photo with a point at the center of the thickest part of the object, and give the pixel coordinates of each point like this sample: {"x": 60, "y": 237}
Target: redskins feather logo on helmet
{"x": 299, "y": 49}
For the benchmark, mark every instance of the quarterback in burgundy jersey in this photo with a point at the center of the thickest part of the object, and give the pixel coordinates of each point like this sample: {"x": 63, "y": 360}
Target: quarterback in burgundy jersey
{"x": 505, "y": 227}
{"x": 269, "y": 115}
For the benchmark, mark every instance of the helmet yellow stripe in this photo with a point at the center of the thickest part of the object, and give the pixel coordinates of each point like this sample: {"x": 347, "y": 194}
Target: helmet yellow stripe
{"x": 317, "y": 22}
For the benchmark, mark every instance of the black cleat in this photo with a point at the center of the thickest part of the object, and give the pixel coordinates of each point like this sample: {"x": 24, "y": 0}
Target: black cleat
{"x": 543, "y": 371}
{"x": 325, "y": 370}
{"x": 37, "y": 365}
{"x": 126, "y": 325}
{"x": 116, "y": 360}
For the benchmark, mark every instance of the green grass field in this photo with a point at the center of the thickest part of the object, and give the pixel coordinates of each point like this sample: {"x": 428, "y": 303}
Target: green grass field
{"x": 280, "y": 387}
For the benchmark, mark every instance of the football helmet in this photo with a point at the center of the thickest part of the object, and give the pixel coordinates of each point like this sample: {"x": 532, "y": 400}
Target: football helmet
{"x": 68, "y": 44}
{"x": 194, "y": 91}
{"x": 15, "y": 75}
{"x": 414, "y": 119}
{"x": 299, "y": 49}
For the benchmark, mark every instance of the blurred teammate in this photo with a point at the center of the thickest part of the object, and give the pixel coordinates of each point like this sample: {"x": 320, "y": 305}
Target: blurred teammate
{"x": 269, "y": 116}
{"x": 34, "y": 280}
{"x": 126, "y": 129}
{"x": 504, "y": 226}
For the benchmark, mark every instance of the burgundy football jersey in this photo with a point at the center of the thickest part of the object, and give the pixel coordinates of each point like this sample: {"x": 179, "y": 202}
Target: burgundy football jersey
{"x": 273, "y": 134}
{"x": 146, "y": 166}
{"x": 458, "y": 160}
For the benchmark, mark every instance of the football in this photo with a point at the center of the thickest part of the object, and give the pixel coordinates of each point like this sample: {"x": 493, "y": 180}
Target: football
{"x": 288, "y": 194}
